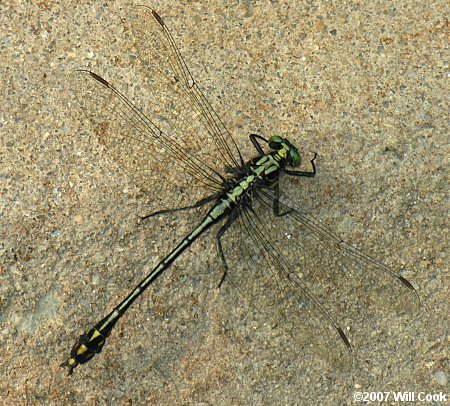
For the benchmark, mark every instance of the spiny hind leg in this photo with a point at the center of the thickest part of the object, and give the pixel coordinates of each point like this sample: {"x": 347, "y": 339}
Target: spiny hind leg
{"x": 276, "y": 201}
{"x": 196, "y": 205}
{"x": 230, "y": 220}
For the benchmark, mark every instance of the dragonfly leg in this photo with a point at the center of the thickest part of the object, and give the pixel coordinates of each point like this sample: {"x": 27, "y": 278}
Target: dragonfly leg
{"x": 309, "y": 174}
{"x": 254, "y": 139}
{"x": 200, "y": 203}
{"x": 230, "y": 220}
{"x": 276, "y": 201}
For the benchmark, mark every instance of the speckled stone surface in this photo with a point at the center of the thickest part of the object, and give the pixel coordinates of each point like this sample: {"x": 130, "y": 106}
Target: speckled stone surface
{"x": 365, "y": 85}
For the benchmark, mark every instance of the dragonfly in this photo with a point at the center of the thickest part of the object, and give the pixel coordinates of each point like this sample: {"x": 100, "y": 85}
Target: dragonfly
{"x": 185, "y": 147}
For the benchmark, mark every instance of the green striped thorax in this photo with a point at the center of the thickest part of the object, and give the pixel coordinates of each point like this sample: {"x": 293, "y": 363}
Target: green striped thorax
{"x": 285, "y": 149}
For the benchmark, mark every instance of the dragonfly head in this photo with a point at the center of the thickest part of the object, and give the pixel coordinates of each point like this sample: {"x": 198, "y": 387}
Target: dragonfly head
{"x": 286, "y": 149}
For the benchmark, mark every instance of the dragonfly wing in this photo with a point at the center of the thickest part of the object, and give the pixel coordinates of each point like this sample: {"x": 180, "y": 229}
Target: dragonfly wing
{"x": 187, "y": 111}
{"x": 294, "y": 269}
{"x": 154, "y": 161}
{"x": 380, "y": 285}
{"x": 264, "y": 275}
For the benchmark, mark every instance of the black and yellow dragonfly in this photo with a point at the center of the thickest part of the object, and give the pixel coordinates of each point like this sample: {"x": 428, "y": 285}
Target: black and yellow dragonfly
{"x": 184, "y": 146}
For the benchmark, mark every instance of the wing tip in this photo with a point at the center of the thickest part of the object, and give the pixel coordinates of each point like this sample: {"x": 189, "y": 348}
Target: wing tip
{"x": 344, "y": 338}
{"x": 145, "y": 9}
{"x": 93, "y": 75}
{"x": 157, "y": 17}
{"x": 98, "y": 78}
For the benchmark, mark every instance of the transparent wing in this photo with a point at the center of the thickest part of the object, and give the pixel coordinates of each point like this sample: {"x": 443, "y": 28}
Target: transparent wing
{"x": 307, "y": 280}
{"x": 280, "y": 280}
{"x": 174, "y": 91}
{"x": 374, "y": 277}
{"x": 155, "y": 161}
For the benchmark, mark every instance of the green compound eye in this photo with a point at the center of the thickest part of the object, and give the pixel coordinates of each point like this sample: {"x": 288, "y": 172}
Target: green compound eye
{"x": 294, "y": 157}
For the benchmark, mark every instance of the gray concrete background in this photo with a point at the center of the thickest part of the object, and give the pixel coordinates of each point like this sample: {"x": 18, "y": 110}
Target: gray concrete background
{"x": 364, "y": 84}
